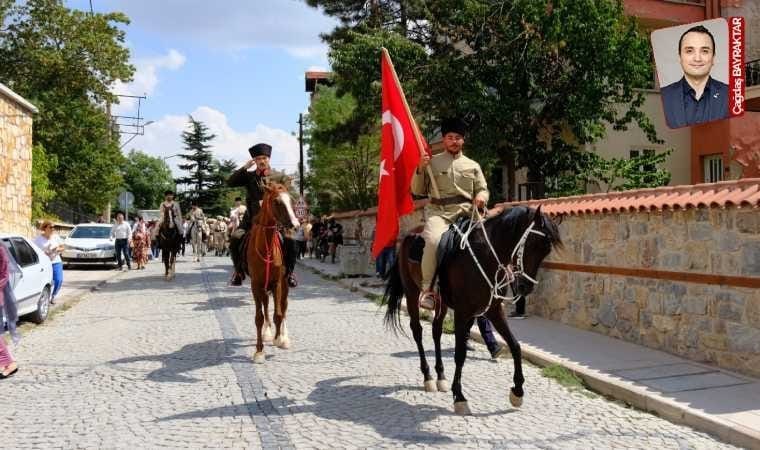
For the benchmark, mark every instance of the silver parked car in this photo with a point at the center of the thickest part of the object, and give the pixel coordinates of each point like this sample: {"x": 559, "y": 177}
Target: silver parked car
{"x": 89, "y": 243}
{"x": 35, "y": 283}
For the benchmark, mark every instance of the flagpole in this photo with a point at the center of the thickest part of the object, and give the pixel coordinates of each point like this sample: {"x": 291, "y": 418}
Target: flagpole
{"x": 416, "y": 130}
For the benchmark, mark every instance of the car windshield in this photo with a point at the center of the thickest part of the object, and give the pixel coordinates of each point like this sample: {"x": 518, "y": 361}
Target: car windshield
{"x": 91, "y": 233}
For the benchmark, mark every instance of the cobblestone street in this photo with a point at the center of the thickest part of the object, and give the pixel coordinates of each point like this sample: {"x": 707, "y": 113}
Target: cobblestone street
{"x": 145, "y": 363}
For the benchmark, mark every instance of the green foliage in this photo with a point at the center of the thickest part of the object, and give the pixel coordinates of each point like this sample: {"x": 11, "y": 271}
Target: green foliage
{"x": 42, "y": 192}
{"x": 220, "y": 198}
{"x": 199, "y": 164}
{"x": 343, "y": 169}
{"x": 65, "y": 61}
{"x": 537, "y": 79}
{"x": 147, "y": 177}
{"x": 563, "y": 376}
{"x": 617, "y": 174}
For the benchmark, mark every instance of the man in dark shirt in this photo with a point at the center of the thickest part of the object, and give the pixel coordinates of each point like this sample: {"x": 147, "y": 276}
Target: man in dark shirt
{"x": 254, "y": 183}
{"x": 696, "y": 97}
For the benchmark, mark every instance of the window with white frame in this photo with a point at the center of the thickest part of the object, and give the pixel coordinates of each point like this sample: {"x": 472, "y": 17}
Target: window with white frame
{"x": 713, "y": 168}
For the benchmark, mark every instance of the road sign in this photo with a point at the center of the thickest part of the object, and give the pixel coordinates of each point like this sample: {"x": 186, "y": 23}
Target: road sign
{"x": 301, "y": 209}
{"x": 125, "y": 201}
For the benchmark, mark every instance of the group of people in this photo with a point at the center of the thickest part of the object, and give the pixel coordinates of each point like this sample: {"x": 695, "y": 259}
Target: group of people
{"x": 321, "y": 237}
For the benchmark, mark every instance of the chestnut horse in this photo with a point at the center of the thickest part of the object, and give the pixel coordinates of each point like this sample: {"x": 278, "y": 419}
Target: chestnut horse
{"x": 508, "y": 248}
{"x": 266, "y": 265}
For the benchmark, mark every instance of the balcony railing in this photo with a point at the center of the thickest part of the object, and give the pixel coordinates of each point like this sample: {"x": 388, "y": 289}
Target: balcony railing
{"x": 752, "y": 69}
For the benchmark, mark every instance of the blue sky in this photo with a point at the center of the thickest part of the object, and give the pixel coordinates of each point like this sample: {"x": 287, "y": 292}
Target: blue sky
{"x": 237, "y": 65}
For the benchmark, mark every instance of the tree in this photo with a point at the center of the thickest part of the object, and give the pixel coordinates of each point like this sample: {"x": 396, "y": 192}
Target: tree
{"x": 540, "y": 78}
{"x": 221, "y": 197}
{"x": 65, "y": 62}
{"x": 199, "y": 161}
{"x": 536, "y": 79}
{"x": 147, "y": 177}
{"x": 342, "y": 167}
{"x": 42, "y": 166}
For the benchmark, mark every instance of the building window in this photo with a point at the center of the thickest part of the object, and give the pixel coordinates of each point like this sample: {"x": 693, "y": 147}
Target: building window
{"x": 644, "y": 152}
{"x": 713, "y": 167}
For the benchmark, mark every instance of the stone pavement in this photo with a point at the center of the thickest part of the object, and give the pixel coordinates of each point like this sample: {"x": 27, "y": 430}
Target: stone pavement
{"x": 145, "y": 363}
{"x": 702, "y": 396}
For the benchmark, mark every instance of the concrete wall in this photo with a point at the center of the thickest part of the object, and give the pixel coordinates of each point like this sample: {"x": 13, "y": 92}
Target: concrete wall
{"x": 716, "y": 324}
{"x": 15, "y": 167}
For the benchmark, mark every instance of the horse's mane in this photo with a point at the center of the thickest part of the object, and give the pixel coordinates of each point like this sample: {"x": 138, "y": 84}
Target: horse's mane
{"x": 510, "y": 218}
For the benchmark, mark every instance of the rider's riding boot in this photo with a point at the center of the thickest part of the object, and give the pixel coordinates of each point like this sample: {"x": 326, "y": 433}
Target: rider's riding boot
{"x": 291, "y": 251}
{"x": 428, "y": 299}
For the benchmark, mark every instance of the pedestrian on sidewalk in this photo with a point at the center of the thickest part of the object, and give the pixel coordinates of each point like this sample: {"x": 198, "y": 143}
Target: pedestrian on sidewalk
{"x": 486, "y": 330}
{"x": 154, "y": 249}
{"x": 8, "y": 365}
{"x": 519, "y": 312}
{"x": 300, "y": 242}
{"x": 141, "y": 243}
{"x": 123, "y": 234}
{"x": 52, "y": 245}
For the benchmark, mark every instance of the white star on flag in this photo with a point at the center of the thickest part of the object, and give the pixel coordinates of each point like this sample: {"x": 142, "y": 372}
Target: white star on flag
{"x": 383, "y": 172}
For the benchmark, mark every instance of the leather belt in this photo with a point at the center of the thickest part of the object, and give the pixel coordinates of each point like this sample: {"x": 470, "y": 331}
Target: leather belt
{"x": 446, "y": 201}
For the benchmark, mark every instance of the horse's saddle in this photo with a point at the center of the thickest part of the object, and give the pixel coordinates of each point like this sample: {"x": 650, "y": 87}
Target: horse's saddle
{"x": 449, "y": 243}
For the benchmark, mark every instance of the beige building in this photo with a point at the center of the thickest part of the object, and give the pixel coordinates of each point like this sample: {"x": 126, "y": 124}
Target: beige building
{"x": 15, "y": 162}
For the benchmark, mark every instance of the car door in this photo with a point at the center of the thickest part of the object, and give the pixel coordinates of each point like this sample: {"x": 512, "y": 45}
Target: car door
{"x": 29, "y": 287}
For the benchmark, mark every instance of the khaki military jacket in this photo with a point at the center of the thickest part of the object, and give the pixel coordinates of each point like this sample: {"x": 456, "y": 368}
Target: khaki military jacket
{"x": 455, "y": 176}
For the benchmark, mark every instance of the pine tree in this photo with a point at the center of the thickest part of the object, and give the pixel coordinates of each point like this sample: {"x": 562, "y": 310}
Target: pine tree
{"x": 199, "y": 164}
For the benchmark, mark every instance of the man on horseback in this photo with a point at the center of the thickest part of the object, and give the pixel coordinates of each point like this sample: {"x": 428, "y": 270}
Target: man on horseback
{"x": 461, "y": 186}
{"x": 170, "y": 215}
{"x": 254, "y": 182}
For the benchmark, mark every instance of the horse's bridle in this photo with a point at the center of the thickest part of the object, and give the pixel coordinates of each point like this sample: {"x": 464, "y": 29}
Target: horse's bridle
{"x": 505, "y": 275}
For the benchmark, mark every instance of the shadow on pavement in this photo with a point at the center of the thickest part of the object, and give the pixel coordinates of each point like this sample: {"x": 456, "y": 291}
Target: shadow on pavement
{"x": 188, "y": 358}
{"x": 360, "y": 404}
{"x": 217, "y": 303}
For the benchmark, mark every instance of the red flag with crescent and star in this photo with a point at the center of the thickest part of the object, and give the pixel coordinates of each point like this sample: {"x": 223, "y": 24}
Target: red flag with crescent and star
{"x": 401, "y": 146}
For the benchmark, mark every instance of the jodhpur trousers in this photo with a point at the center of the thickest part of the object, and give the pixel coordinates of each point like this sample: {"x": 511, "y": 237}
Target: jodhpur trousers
{"x": 435, "y": 226}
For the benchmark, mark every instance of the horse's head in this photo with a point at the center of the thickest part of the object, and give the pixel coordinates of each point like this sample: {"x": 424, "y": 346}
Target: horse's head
{"x": 533, "y": 235}
{"x": 278, "y": 204}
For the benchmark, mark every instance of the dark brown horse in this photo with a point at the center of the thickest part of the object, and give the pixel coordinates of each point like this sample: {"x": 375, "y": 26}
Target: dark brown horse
{"x": 170, "y": 242}
{"x": 520, "y": 238}
{"x": 266, "y": 265}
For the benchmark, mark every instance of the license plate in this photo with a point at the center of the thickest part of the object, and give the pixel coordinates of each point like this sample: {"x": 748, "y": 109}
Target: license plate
{"x": 86, "y": 255}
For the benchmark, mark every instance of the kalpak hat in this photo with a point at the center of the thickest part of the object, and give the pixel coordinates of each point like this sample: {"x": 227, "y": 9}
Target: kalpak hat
{"x": 260, "y": 150}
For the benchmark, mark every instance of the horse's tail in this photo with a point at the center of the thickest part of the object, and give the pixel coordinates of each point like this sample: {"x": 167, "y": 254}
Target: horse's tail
{"x": 394, "y": 294}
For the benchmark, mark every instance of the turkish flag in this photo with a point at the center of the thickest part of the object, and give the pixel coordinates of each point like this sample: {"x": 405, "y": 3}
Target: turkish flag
{"x": 402, "y": 144}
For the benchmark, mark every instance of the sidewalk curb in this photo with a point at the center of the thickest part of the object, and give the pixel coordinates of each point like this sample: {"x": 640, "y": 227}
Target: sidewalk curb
{"x": 608, "y": 386}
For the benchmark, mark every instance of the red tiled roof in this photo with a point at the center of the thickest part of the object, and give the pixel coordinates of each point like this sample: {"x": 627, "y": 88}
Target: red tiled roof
{"x": 741, "y": 194}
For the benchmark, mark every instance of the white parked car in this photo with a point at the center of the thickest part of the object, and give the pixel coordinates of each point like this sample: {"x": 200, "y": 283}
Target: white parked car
{"x": 34, "y": 286}
{"x": 89, "y": 243}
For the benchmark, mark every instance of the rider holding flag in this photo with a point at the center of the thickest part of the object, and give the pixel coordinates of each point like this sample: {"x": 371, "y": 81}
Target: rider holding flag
{"x": 461, "y": 185}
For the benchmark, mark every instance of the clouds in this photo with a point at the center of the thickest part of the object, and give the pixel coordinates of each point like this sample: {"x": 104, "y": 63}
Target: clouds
{"x": 145, "y": 79}
{"x": 163, "y": 139}
{"x": 233, "y": 24}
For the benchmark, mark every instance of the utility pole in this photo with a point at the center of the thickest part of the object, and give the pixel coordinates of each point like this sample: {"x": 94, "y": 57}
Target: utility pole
{"x": 300, "y": 150}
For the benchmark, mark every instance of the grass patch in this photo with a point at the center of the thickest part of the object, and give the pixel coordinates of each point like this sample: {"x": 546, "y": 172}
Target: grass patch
{"x": 375, "y": 298}
{"x": 448, "y": 324}
{"x": 567, "y": 379}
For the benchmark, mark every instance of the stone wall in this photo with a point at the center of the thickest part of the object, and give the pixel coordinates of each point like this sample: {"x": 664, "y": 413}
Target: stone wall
{"x": 15, "y": 167}
{"x": 716, "y": 324}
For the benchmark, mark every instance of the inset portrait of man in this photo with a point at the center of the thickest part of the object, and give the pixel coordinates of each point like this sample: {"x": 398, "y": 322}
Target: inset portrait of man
{"x": 697, "y": 97}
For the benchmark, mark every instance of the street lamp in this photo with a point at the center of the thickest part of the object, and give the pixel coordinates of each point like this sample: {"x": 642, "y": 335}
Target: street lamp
{"x": 170, "y": 156}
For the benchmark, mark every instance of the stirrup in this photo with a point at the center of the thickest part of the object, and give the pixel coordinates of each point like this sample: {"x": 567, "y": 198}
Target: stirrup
{"x": 428, "y": 300}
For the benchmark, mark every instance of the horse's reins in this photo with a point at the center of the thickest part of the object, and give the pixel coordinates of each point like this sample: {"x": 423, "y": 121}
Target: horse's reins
{"x": 269, "y": 258}
{"x": 505, "y": 274}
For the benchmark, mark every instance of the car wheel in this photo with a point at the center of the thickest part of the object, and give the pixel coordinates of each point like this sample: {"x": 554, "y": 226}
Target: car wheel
{"x": 43, "y": 307}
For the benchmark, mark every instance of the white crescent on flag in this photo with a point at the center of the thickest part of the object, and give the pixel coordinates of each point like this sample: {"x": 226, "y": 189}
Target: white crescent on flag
{"x": 398, "y": 133}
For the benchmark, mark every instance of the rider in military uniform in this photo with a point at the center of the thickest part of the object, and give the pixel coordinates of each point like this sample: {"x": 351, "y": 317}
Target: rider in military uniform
{"x": 461, "y": 185}
{"x": 254, "y": 183}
